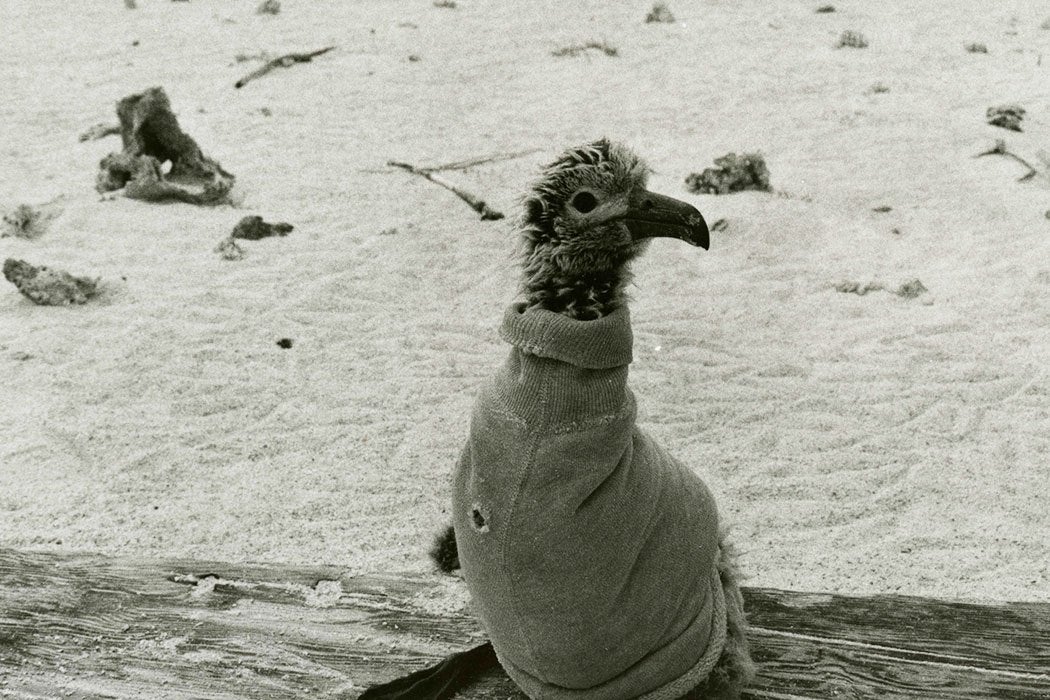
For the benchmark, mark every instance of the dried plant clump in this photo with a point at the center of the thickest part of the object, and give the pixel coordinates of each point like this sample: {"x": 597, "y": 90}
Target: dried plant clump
{"x": 976, "y": 47}
{"x": 911, "y": 289}
{"x": 578, "y": 49}
{"x": 229, "y": 250}
{"x": 23, "y": 222}
{"x": 852, "y": 40}
{"x": 48, "y": 287}
{"x": 660, "y": 13}
{"x": 908, "y": 290}
{"x": 732, "y": 173}
{"x": 252, "y": 228}
{"x": 151, "y": 137}
{"x": 1006, "y": 116}
{"x": 824, "y": 9}
{"x": 268, "y": 7}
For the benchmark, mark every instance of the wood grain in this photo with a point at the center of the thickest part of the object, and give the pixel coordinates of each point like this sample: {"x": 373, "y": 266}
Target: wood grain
{"x": 84, "y": 626}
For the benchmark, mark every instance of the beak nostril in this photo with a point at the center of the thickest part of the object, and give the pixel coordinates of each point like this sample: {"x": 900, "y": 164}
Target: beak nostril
{"x": 647, "y": 204}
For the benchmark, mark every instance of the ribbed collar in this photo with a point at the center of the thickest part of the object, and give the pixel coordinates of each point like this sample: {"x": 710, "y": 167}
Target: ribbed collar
{"x": 600, "y": 344}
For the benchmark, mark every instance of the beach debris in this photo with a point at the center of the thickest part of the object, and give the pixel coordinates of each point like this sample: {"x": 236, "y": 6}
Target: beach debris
{"x": 447, "y": 4}
{"x": 1006, "y": 116}
{"x": 24, "y": 221}
{"x": 824, "y": 9}
{"x": 882, "y": 209}
{"x": 47, "y": 286}
{"x": 282, "y": 62}
{"x": 908, "y": 290}
{"x": 720, "y": 225}
{"x": 414, "y": 58}
{"x": 284, "y": 343}
{"x": 229, "y": 250}
{"x": 130, "y": 4}
{"x": 578, "y": 49}
{"x": 99, "y": 131}
{"x": 911, "y": 289}
{"x": 976, "y": 47}
{"x": 152, "y": 137}
{"x": 879, "y": 88}
{"x": 268, "y": 7}
{"x": 660, "y": 13}
{"x": 852, "y": 40}
{"x": 1000, "y": 149}
{"x": 252, "y": 228}
{"x": 475, "y": 203}
{"x": 732, "y": 173}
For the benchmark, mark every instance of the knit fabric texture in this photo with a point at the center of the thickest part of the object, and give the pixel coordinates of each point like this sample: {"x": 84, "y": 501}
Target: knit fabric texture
{"x": 590, "y": 553}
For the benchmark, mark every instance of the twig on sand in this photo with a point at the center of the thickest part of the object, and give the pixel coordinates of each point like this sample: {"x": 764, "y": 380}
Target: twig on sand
{"x": 1000, "y": 149}
{"x": 577, "y": 49}
{"x": 478, "y": 205}
{"x": 99, "y": 131}
{"x": 281, "y": 62}
{"x": 481, "y": 160}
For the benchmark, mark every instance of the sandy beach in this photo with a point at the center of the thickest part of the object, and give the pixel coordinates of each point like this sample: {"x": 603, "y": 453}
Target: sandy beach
{"x": 856, "y": 442}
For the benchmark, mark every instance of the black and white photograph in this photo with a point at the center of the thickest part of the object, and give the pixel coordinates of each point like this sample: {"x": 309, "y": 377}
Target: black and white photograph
{"x": 538, "y": 350}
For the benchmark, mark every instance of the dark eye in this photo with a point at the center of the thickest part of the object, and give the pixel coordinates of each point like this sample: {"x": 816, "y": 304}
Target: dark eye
{"x": 584, "y": 202}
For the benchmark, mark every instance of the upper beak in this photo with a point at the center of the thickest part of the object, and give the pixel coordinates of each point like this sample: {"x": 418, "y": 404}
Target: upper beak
{"x": 650, "y": 215}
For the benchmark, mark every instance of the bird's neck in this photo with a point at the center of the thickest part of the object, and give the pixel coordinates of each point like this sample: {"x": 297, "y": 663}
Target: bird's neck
{"x": 580, "y": 296}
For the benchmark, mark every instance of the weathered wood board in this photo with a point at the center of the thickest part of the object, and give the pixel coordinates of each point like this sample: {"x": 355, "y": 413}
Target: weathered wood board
{"x": 95, "y": 627}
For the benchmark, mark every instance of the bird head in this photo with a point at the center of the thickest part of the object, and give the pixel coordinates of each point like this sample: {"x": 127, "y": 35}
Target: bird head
{"x": 590, "y": 211}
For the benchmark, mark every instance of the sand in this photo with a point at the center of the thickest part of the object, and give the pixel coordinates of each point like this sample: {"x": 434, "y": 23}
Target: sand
{"x": 856, "y": 443}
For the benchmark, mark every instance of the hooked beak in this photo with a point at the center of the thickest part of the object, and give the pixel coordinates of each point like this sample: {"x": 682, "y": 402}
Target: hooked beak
{"x": 650, "y": 215}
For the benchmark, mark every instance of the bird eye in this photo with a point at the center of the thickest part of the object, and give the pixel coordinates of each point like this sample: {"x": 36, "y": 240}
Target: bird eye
{"x": 584, "y": 202}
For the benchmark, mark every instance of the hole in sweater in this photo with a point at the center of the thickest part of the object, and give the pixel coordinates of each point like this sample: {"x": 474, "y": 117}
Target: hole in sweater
{"x": 478, "y": 519}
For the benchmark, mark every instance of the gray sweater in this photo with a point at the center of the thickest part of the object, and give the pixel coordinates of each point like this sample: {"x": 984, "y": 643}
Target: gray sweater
{"x": 589, "y": 551}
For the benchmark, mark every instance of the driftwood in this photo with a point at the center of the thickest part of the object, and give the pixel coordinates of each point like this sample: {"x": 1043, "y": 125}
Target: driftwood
{"x": 85, "y": 626}
{"x": 475, "y": 203}
{"x": 151, "y": 136}
{"x": 1000, "y": 149}
{"x": 281, "y": 62}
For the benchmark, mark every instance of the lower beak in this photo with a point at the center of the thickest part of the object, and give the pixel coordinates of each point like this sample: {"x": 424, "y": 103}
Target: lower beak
{"x": 650, "y": 215}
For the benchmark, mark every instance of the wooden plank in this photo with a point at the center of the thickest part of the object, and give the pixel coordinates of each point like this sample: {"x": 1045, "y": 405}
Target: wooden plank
{"x": 82, "y": 626}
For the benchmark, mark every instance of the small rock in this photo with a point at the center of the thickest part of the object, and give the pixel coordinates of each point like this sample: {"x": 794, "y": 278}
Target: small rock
{"x": 977, "y": 47}
{"x": 882, "y": 209}
{"x": 229, "y": 250}
{"x": 252, "y": 228}
{"x": 878, "y": 88}
{"x": 414, "y": 58}
{"x": 733, "y": 174}
{"x": 48, "y": 287}
{"x": 1006, "y": 116}
{"x": 268, "y": 7}
{"x": 720, "y": 225}
{"x": 284, "y": 343}
{"x": 447, "y": 4}
{"x": 660, "y": 13}
{"x": 824, "y": 9}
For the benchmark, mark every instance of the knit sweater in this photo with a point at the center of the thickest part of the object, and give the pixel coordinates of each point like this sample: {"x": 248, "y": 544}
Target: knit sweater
{"x": 589, "y": 552}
